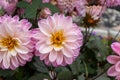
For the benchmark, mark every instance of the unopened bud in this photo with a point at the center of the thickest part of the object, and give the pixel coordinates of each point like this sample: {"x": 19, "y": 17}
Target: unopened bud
{"x": 45, "y": 13}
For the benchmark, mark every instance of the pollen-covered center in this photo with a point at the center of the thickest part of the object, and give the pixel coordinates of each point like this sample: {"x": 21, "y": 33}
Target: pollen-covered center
{"x": 58, "y": 38}
{"x": 9, "y": 42}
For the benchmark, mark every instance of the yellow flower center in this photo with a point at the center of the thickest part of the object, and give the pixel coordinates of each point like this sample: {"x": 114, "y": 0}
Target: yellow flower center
{"x": 9, "y": 42}
{"x": 58, "y": 38}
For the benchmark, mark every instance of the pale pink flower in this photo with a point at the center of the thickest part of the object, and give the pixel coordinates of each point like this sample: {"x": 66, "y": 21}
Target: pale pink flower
{"x": 114, "y": 70}
{"x": 45, "y": 12}
{"x": 94, "y": 11}
{"x": 29, "y": 1}
{"x": 15, "y": 42}
{"x": 92, "y": 15}
{"x": 9, "y": 5}
{"x": 112, "y": 2}
{"x": 70, "y": 5}
{"x": 45, "y": 1}
{"x": 58, "y": 40}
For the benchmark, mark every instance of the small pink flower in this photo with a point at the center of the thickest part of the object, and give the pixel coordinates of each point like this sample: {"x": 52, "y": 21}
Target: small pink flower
{"x": 9, "y": 5}
{"x": 70, "y": 5}
{"x": 110, "y": 3}
{"x": 15, "y": 42}
{"x": 29, "y": 1}
{"x": 114, "y": 71}
{"x": 92, "y": 15}
{"x": 58, "y": 40}
{"x": 94, "y": 11}
{"x": 45, "y": 12}
{"x": 45, "y": 1}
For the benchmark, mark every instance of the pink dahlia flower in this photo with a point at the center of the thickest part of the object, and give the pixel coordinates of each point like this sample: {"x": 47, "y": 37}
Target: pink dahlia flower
{"x": 15, "y": 42}
{"x": 45, "y": 12}
{"x": 70, "y": 5}
{"x": 94, "y": 11}
{"x": 57, "y": 43}
{"x": 9, "y": 5}
{"x": 114, "y": 71}
{"x": 45, "y": 1}
{"x": 92, "y": 15}
{"x": 112, "y": 2}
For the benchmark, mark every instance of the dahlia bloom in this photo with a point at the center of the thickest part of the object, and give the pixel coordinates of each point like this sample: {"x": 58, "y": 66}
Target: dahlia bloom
{"x": 45, "y": 1}
{"x": 92, "y": 15}
{"x": 70, "y": 5}
{"x": 45, "y": 12}
{"x": 9, "y": 5}
{"x": 110, "y": 3}
{"x": 94, "y": 11}
{"x": 15, "y": 42}
{"x": 57, "y": 43}
{"x": 114, "y": 70}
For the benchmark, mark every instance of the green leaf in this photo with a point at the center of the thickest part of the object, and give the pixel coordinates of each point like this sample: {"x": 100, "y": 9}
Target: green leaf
{"x": 53, "y": 8}
{"x": 6, "y": 73}
{"x": 31, "y": 11}
{"x": 103, "y": 77}
{"x": 2, "y": 12}
{"x": 81, "y": 77}
{"x": 23, "y": 4}
{"x": 40, "y": 66}
{"x": 97, "y": 46}
{"x": 75, "y": 66}
{"x": 39, "y": 76}
{"x": 65, "y": 75}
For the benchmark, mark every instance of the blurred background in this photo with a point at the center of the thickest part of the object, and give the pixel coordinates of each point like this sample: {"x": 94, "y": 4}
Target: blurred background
{"x": 111, "y": 19}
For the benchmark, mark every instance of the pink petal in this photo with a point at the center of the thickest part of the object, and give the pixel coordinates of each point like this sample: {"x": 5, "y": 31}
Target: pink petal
{"x": 112, "y": 72}
{"x": 72, "y": 45}
{"x": 3, "y": 32}
{"x": 12, "y": 52}
{"x": 117, "y": 66}
{"x": 44, "y": 27}
{"x": 52, "y": 56}
{"x": 56, "y": 48}
{"x": 68, "y": 60}
{"x": 6, "y": 61}
{"x": 113, "y": 59}
{"x": 52, "y": 22}
{"x": 44, "y": 48}
{"x": 22, "y": 49}
{"x": 14, "y": 61}
{"x": 9, "y": 29}
{"x": 43, "y": 56}
{"x": 116, "y": 47}
{"x": 59, "y": 59}
{"x": 39, "y": 36}
{"x": 71, "y": 38}
{"x": 24, "y": 56}
{"x": 1, "y": 56}
{"x": 68, "y": 52}
{"x": 21, "y": 61}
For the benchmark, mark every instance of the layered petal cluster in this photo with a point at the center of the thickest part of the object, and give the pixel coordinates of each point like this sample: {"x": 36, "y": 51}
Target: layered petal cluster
{"x": 58, "y": 40}
{"x": 92, "y": 15}
{"x": 110, "y": 3}
{"x": 15, "y": 42}
{"x": 94, "y": 11}
{"x": 114, "y": 70}
{"x": 9, "y": 5}
{"x": 70, "y": 5}
{"x": 45, "y": 1}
